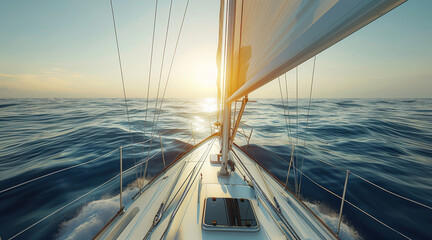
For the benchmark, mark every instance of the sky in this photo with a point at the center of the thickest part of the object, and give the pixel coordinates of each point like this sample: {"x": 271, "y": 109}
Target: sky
{"x": 67, "y": 49}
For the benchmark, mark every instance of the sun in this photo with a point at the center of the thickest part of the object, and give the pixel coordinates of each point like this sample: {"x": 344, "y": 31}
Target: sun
{"x": 206, "y": 75}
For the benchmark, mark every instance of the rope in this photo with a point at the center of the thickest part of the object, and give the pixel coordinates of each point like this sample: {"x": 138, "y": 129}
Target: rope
{"x": 122, "y": 78}
{"x": 307, "y": 122}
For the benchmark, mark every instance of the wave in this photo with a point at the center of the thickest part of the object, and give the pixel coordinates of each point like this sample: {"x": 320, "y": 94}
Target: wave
{"x": 7, "y": 105}
{"x": 91, "y": 218}
{"x": 385, "y": 140}
{"x": 347, "y": 231}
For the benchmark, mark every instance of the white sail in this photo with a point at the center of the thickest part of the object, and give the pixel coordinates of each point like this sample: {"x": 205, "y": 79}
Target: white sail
{"x": 273, "y": 36}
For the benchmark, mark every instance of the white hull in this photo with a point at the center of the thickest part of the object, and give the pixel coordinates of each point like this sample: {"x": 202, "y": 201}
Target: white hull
{"x": 188, "y": 205}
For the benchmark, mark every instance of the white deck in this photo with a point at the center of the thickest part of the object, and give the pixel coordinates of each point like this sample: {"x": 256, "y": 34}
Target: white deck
{"x": 187, "y": 222}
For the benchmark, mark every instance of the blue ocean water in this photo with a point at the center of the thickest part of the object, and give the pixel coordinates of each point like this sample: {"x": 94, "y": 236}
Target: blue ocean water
{"x": 387, "y": 141}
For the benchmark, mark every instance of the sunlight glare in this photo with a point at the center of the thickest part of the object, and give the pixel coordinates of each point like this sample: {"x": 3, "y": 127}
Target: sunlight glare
{"x": 209, "y": 105}
{"x": 206, "y": 75}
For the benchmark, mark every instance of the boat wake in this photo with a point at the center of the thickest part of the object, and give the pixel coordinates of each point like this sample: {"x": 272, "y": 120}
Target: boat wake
{"x": 347, "y": 232}
{"x": 92, "y": 217}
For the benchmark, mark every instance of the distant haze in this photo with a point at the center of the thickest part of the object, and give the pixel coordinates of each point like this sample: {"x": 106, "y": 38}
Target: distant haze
{"x": 67, "y": 49}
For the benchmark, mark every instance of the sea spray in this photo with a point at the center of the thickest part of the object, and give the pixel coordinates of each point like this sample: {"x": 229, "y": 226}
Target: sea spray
{"x": 92, "y": 217}
{"x": 330, "y": 217}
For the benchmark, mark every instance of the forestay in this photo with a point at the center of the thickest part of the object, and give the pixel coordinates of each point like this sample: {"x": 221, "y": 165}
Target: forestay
{"x": 273, "y": 36}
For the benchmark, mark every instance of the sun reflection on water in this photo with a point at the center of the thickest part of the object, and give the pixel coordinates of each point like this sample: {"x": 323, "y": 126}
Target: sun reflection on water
{"x": 209, "y": 105}
{"x": 201, "y": 122}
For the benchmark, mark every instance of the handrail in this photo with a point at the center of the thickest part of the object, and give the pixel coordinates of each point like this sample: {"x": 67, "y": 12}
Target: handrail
{"x": 139, "y": 143}
{"x": 77, "y": 165}
{"x": 62, "y": 207}
{"x": 136, "y": 165}
{"x": 82, "y": 196}
{"x": 353, "y": 205}
{"x": 55, "y": 172}
{"x": 343, "y": 200}
{"x": 94, "y": 189}
{"x": 392, "y": 193}
{"x": 359, "y": 177}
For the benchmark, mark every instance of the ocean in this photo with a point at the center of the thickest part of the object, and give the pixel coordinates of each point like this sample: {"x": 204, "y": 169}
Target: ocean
{"x": 385, "y": 141}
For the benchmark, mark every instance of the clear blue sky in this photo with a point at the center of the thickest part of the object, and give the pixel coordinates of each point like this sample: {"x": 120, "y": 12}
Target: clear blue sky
{"x": 67, "y": 49}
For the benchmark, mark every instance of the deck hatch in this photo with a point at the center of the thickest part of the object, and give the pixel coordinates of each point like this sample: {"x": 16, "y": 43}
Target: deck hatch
{"x": 229, "y": 214}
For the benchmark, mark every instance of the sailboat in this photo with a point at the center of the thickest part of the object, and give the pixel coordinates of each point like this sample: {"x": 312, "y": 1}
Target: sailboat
{"x": 216, "y": 190}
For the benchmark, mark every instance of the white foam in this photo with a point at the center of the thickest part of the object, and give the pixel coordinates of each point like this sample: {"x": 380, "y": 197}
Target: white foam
{"x": 92, "y": 217}
{"x": 347, "y": 232}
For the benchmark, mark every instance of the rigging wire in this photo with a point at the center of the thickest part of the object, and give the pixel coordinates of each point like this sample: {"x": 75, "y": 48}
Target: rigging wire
{"x": 284, "y": 108}
{"x": 287, "y": 101}
{"x": 160, "y": 79}
{"x": 172, "y": 62}
{"x": 297, "y": 130}
{"x": 162, "y": 65}
{"x": 122, "y": 78}
{"x": 307, "y": 123}
{"x": 188, "y": 186}
{"x": 149, "y": 80}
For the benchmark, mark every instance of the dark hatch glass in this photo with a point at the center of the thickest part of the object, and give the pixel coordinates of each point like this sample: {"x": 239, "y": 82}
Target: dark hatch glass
{"x": 229, "y": 212}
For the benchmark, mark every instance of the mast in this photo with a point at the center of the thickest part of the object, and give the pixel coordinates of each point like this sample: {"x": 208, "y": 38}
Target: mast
{"x": 219, "y": 60}
{"x": 227, "y": 105}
